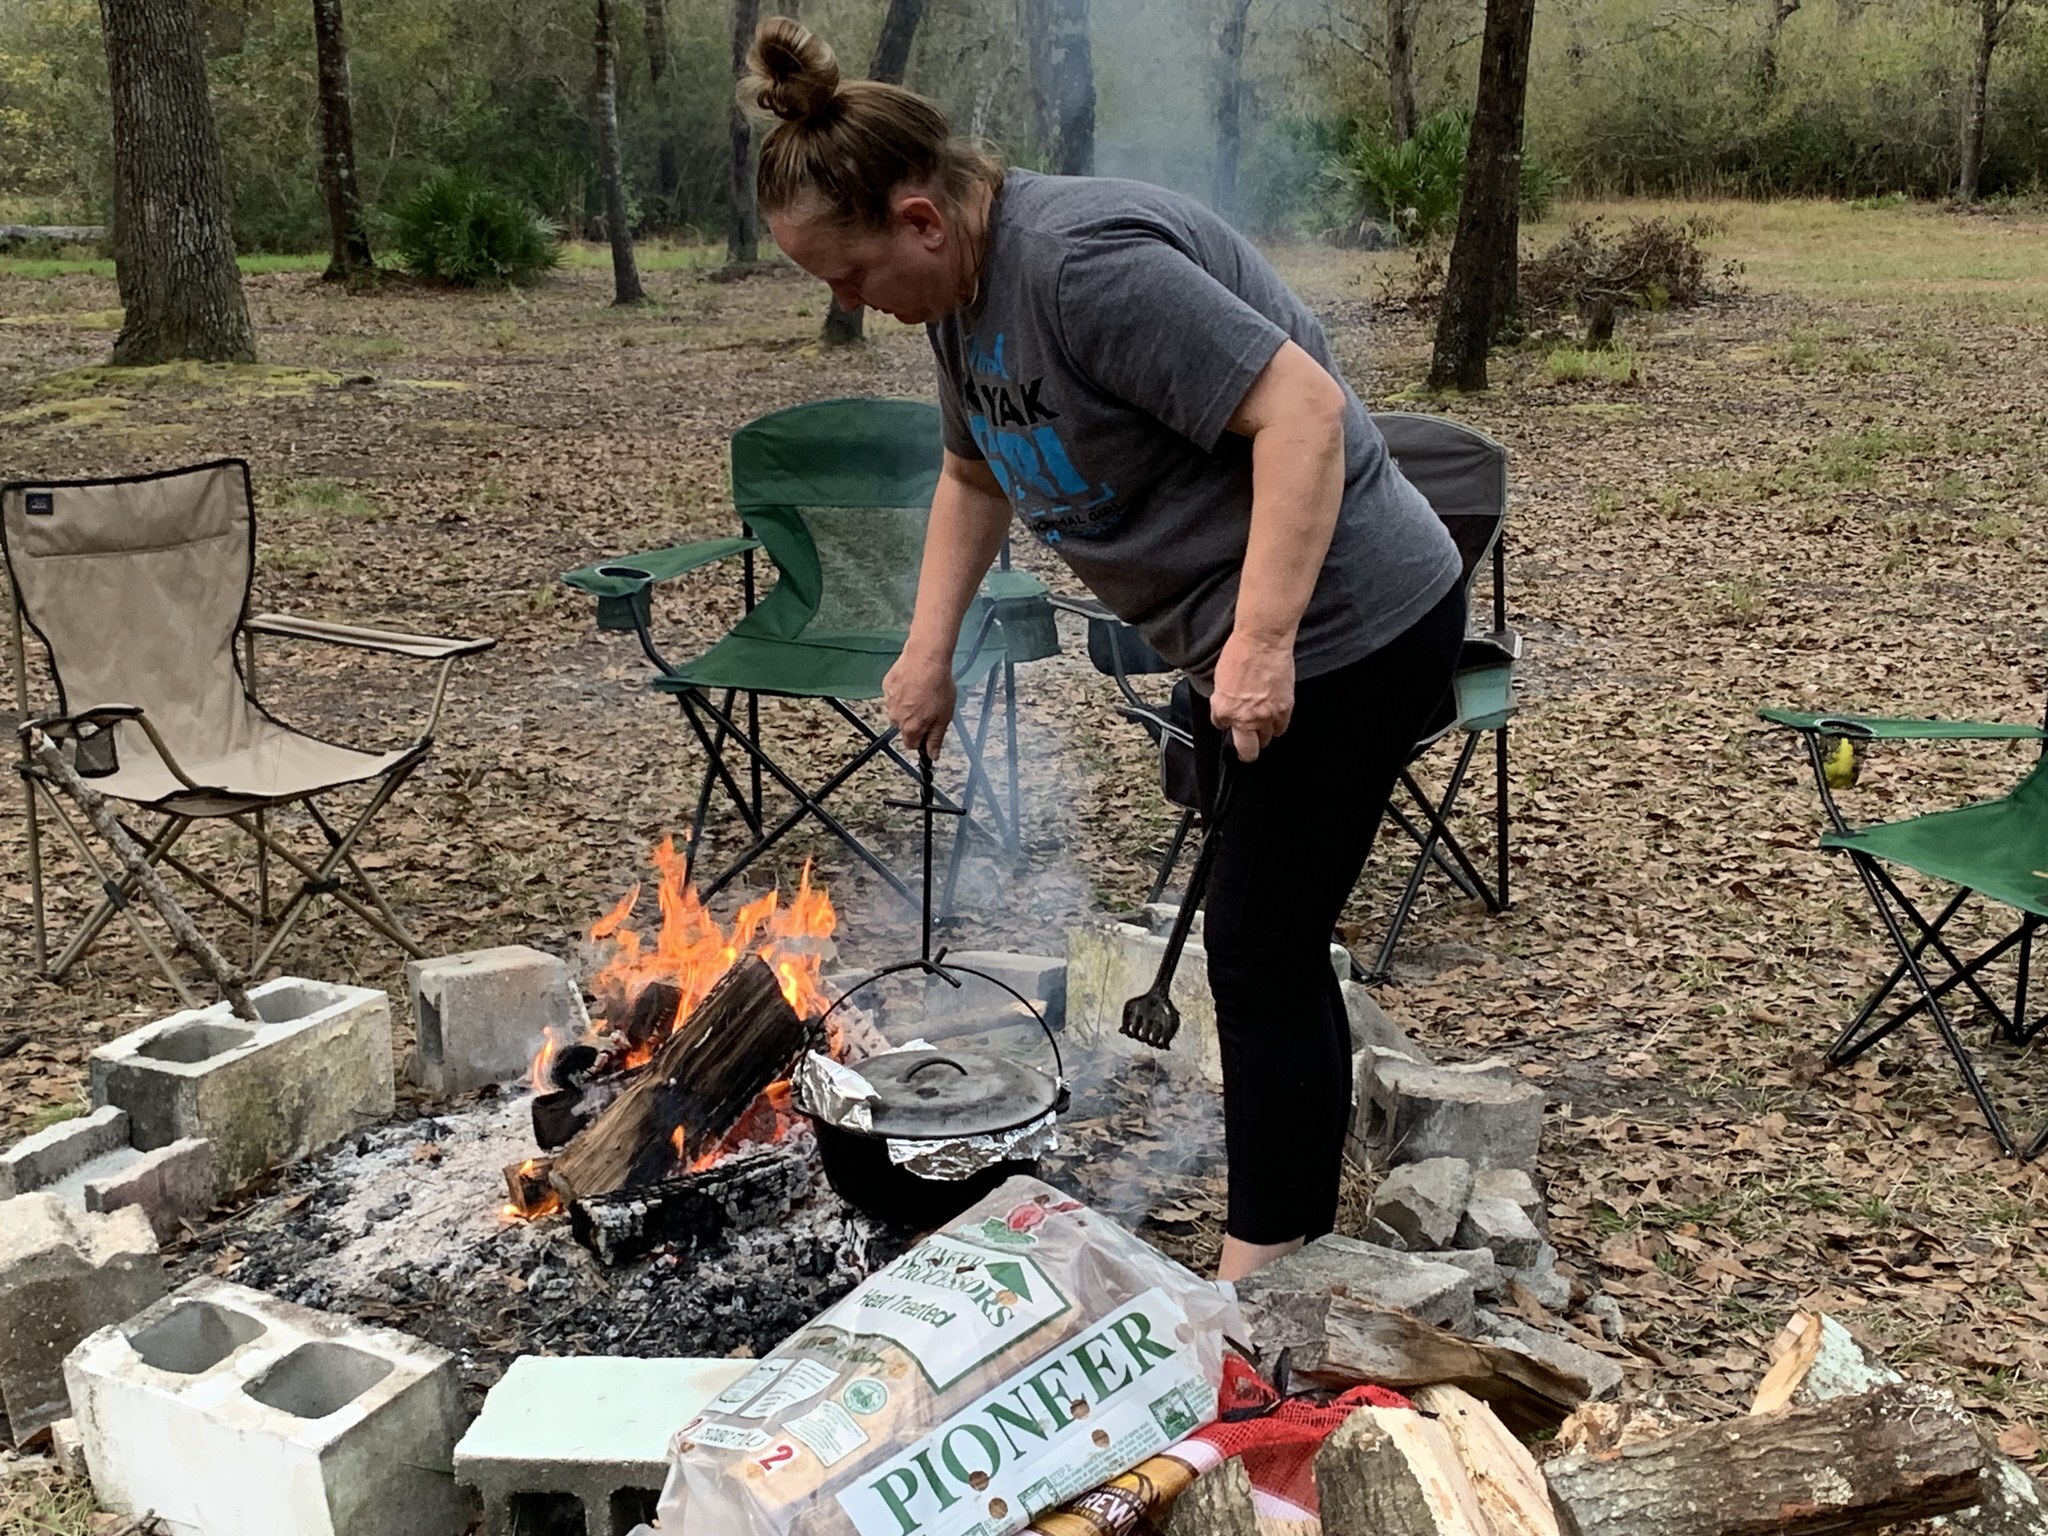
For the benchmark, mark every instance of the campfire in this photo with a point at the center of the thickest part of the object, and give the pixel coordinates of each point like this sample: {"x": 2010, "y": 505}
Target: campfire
{"x": 667, "y": 1116}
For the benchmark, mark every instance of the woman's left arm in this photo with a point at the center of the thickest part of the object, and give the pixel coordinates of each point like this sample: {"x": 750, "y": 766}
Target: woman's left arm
{"x": 1294, "y": 415}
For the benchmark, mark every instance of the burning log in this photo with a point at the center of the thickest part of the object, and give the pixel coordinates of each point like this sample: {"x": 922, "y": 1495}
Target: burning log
{"x": 527, "y": 1186}
{"x": 559, "y": 1116}
{"x": 742, "y": 1037}
{"x": 735, "y": 1194}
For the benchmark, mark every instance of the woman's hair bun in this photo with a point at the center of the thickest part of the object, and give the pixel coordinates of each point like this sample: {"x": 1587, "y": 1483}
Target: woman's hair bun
{"x": 791, "y": 71}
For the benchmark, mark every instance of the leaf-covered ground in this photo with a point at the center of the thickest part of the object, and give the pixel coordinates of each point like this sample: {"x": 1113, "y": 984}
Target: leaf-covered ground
{"x": 1828, "y": 490}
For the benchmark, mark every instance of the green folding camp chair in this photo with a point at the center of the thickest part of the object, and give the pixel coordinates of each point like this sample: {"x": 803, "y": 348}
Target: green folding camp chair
{"x": 835, "y": 494}
{"x": 1995, "y": 849}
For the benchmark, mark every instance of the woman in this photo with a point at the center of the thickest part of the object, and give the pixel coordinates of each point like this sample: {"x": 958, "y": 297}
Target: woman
{"x": 1126, "y": 374}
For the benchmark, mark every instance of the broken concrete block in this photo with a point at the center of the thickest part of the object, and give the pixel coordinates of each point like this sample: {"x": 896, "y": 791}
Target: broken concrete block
{"x": 63, "y": 1273}
{"x": 1587, "y": 1369}
{"x": 38, "y": 1161}
{"x": 481, "y": 1017}
{"x": 1040, "y": 978}
{"x": 1110, "y": 963}
{"x": 1491, "y": 1221}
{"x": 172, "y": 1185}
{"x": 1424, "y": 1201}
{"x": 1481, "y": 1113}
{"x": 67, "y": 1450}
{"x": 1371, "y": 1027}
{"x": 1489, "y": 1280}
{"x": 315, "y": 1067}
{"x": 1291, "y": 1294}
{"x": 594, "y": 1432}
{"x": 1542, "y": 1281}
{"x": 225, "y": 1410}
{"x": 1514, "y": 1184}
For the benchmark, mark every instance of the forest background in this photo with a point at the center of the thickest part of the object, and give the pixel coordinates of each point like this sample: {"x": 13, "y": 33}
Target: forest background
{"x": 1850, "y": 98}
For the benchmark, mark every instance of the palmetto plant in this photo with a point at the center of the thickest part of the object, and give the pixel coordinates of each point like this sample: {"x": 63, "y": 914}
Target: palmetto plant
{"x": 455, "y": 229}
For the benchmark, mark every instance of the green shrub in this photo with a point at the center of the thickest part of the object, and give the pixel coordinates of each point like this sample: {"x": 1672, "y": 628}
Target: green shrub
{"x": 454, "y": 229}
{"x": 1411, "y": 189}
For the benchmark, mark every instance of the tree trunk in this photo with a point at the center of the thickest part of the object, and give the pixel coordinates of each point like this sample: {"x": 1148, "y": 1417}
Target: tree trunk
{"x": 892, "y": 48}
{"x": 1401, "y": 69}
{"x": 1767, "y": 61}
{"x": 625, "y": 272}
{"x": 743, "y": 219}
{"x": 174, "y": 250}
{"x": 845, "y": 327}
{"x": 1230, "y": 109}
{"x": 338, "y": 148}
{"x": 1480, "y": 290}
{"x": 1063, "y": 84}
{"x": 1990, "y": 15}
{"x": 667, "y": 171}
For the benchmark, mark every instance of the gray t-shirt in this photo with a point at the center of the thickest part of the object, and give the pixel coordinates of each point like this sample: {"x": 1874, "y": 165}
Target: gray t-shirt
{"x": 1118, "y": 328}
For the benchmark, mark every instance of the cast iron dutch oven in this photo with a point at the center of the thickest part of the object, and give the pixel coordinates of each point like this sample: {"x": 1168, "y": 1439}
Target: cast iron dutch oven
{"x": 935, "y": 1096}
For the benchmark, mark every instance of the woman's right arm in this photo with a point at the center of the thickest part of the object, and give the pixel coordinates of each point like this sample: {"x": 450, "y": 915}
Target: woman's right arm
{"x": 970, "y": 514}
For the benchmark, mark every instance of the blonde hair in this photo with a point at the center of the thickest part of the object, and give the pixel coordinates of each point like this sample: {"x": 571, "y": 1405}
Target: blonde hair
{"x": 848, "y": 143}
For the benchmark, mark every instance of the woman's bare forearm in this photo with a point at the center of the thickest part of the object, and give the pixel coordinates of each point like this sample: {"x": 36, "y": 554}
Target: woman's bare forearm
{"x": 969, "y": 517}
{"x": 1295, "y": 418}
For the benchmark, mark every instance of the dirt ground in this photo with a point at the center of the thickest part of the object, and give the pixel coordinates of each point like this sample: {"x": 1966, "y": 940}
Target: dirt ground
{"x": 1826, "y": 491}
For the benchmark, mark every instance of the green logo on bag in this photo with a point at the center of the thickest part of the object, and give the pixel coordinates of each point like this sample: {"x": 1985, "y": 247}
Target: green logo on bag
{"x": 865, "y": 1396}
{"x": 1173, "y": 1415}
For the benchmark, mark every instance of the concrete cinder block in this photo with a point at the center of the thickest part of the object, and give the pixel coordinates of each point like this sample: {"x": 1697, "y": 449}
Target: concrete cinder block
{"x": 226, "y": 1411}
{"x": 316, "y": 1068}
{"x": 38, "y": 1161}
{"x": 172, "y": 1184}
{"x": 63, "y": 1273}
{"x": 1371, "y": 1028}
{"x": 593, "y": 1431}
{"x": 1109, "y": 963}
{"x": 1423, "y": 1202}
{"x": 1480, "y": 1112}
{"x": 1041, "y": 978}
{"x": 1291, "y": 1289}
{"x": 481, "y": 1017}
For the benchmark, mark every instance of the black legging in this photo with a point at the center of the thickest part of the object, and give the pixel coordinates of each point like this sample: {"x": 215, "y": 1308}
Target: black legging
{"x": 1300, "y": 823}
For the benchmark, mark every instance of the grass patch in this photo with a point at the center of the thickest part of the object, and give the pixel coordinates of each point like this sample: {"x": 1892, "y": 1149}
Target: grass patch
{"x": 43, "y": 1502}
{"x": 83, "y": 264}
{"x": 235, "y": 382}
{"x": 369, "y": 346}
{"x": 329, "y": 498}
{"x": 53, "y": 1114}
{"x": 83, "y": 411}
{"x": 70, "y": 319}
{"x": 296, "y": 559}
{"x": 1579, "y": 365}
{"x": 648, "y": 256}
{"x": 1739, "y": 603}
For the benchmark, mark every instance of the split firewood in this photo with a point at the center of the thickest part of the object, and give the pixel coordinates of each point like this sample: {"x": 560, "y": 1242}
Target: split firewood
{"x": 1393, "y": 1472}
{"x": 1359, "y": 1342}
{"x": 1218, "y": 1503}
{"x": 1504, "y": 1475}
{"x": 741, "y": 1038}
{"x": 1819, "y": 1361}
{"x": 1855, "y": 1465}
{"x": 1601, "y": 1427}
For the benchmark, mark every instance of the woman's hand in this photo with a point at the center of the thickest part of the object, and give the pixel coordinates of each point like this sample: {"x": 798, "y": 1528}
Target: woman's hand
{"x": 919, "y": 695}
{"x": 1254, "y": 693}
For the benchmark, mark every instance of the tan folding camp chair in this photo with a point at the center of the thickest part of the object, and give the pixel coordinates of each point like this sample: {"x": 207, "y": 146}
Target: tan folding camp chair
{"x": 139, "y": 589}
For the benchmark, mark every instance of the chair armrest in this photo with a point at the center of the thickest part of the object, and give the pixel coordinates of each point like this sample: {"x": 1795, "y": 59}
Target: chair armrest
{"x": 1898, "y": 728}
{"x": 629, "y": 575}
{"x": 1086, "y": 607}
{"x": 70, "y": 727}
{"x": 392, "y": 641}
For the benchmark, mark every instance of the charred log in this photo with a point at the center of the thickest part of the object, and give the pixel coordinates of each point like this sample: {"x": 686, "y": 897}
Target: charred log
{"x": 696, "y": 1210}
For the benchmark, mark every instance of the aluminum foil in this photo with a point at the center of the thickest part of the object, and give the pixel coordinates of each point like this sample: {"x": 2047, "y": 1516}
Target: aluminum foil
{"x": 960, "y": 1157}
{"x": 836, "y": 1094}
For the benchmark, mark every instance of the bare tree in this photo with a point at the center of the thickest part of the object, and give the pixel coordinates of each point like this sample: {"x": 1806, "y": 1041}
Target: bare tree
{"x": 174, "y": 250}
{"x": 1063, "y": 83}
{"x": 1991, "y": 19}
{"x": 1230, "y": 106}
{"x": 667, "y": 173}
{"x": 743, "y": 219}
{"x": 626, "y": 287}
{"x": 1479, "y": 289}
{"x": 844, "y": 327}
{"x": 351, "y": 257}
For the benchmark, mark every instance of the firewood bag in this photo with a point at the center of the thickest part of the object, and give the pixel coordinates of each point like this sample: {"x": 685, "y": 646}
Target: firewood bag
{"x": 1028, "y": 1352}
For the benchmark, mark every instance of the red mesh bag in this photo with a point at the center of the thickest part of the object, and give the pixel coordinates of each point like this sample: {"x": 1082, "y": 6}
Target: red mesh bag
{"x": 1277, "y": 1437}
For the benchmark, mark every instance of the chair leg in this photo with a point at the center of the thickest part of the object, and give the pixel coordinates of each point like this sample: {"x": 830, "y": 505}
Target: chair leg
{"x": 1382, "y": 965}
{"x": 1942, "y": 1023}
{"x": 117, "y": 900}
{"x": 1850, "y": 1043}
{"x": 1173, "y": 848}
{"x": 1500, "y": 816}
{"x": 1849, "y": 1047}
{"x": 1438, "y": 815}
{"x": 713, "y": 743}
{"x": 1476, "y": 889}
{"x": 322, "y": 881}
{"x": 1016, "y": 842}
{"x": 1954, "y": 962}
{"x": 35, "y": 865}
{"x": 2021, "y": 1033}
{"x": 117, "y": 893}
{"x": 262, "y": 922}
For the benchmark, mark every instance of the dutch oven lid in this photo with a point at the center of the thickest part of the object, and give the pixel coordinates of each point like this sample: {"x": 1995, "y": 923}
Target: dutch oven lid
{"x": 954, "y": 1093}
